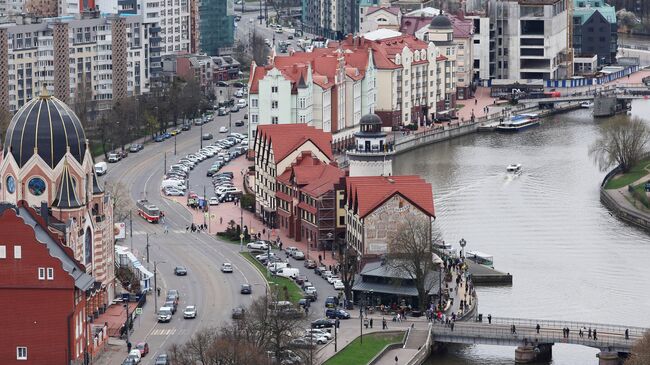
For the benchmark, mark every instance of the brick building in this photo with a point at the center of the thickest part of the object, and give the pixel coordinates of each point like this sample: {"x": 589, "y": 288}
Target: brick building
{"x": 375, "y": 206}
{"x": 276, "y": 148}
{"x": 306, "y": 201}
{"x": 45, "y": 289}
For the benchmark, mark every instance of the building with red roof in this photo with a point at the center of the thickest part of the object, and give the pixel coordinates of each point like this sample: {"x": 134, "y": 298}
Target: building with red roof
{"x": 276, "y": 148}
{"x": 328, "y": 88}
{"x": 376, "y": 206}
{"x": 306, "y": 201}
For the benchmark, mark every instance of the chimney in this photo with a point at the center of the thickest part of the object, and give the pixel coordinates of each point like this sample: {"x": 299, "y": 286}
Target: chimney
{"x": 45, "y": 213}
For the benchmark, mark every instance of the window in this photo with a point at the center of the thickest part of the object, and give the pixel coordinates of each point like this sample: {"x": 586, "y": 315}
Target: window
{"x": 41, "y": 273}
{"x": 3, "y": 252}
{"x": 21, "y": 353}
{"x": 254, "y": 118}
{"x": 18, "y": 252}
{"x": 274, "y": 120}
{"x": 50, "y": 273}
{"x": 341, "y": 221}
{"x": 254, "y": 103}
{"x": 274, "y": 89}
{"x": 274, "y": 104}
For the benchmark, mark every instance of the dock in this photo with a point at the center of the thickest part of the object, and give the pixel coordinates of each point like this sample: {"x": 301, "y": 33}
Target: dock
{"x": 488, "y": 127}
{"x": 483, "y": 275}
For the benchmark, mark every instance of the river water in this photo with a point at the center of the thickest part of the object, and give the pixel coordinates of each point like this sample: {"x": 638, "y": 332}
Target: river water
{"x": 570, "y": 259}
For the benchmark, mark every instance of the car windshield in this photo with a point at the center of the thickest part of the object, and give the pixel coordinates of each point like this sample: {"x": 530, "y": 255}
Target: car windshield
{"x": 165, "y": 311}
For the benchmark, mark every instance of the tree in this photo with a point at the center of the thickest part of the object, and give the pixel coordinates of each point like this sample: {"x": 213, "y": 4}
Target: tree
{"x": 5, "y": 120}
{"x": 621, "y": 144}
{"x": 626, "y": 19}
{"x": 640, "y": 352}
{"x": 410, "y": 251}
{"x": 242, "y": 55}
{"x": 348, "y": 261}
{"x": 259, "y": 49}
{"x": 120, "y": 199}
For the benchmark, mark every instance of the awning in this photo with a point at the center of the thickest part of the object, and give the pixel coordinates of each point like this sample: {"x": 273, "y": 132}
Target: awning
{"x": 385, "y": 288}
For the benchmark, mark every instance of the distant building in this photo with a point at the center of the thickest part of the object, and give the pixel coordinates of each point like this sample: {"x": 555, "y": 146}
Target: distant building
{"x": 411, "y": 5}
{"x": 216, "y": 26}
{"x": 595, "y": 31}
{"x": 204, "y": 69}
{"x": 380, "y": 18}
{"x": 277, "y": 148}
{"x": 376, "y": 206}
{"x": 332, "y": 19}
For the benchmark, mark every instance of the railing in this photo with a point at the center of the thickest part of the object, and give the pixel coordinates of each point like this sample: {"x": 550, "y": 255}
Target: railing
{"x": 424, "y": 351}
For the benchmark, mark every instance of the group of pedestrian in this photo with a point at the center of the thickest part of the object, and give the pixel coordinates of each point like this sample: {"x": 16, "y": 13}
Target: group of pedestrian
{"x": 565, "y": 332}
{"x": 196, "y": 227}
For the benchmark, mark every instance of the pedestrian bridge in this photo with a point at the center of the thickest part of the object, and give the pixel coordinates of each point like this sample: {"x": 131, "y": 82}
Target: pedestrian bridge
{"x": 610, "y": 339}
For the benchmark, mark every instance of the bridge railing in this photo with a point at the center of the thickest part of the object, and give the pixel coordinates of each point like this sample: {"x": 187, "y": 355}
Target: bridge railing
{"x": 484, "y": 333}
{"x": 572, "y": 325}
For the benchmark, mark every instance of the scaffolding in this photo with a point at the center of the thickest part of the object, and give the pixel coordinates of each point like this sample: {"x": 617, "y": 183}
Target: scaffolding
{"x": 326, "y": 220}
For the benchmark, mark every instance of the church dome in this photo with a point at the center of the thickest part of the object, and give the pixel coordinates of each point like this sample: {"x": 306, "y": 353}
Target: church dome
{"x": 370, "y": 119}
{"x": 440, "y": 22}
{"x": 48, "y": 127}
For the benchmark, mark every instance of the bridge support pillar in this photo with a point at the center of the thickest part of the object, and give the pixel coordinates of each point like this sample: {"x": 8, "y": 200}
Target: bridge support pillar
{"x": 524, "y": 354}
{"x": 609, "y": 358}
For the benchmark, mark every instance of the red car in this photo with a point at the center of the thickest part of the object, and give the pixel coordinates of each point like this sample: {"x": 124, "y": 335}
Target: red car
{"x": 143, "y": 347}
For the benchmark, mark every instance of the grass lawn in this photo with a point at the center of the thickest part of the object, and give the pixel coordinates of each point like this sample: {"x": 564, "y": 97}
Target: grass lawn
{"x": 295, "y": 293}
{"x": 356, "y": 353}
{"x": 635, "y": 174}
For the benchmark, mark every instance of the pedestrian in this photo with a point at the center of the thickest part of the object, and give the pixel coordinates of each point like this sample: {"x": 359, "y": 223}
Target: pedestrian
{"x": 383, "y": 324}
{"x": 370, "y": 322}
{"x": 475, "y": 101}
{"x": 220, "y": 220}
{"x": 567, "y": 332}
{"x": 280, "y": 245}
{"x": 307, "y": 310}
{"x": 595, "y": 336}
{"x": 580, "y": 333}
{"x": 537, "y": 328}
{"x": 589, "y": 333}
{"x": 187, "y": 228}
{"x": 158, "y": 291}
{"x": 128, "y": 346}
{"x": 320, "y": 258}
{"x": 396, "y": 360}
{"x": 166, "y": 229}
{"x": 489, "y": 319}
{"x": 627, "y": 331}
{"x": 452, "y": 326}
{"x": 514, "y": 329}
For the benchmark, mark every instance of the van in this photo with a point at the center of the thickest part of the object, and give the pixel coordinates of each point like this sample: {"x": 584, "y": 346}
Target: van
{"x": 275, "y": 266}
{"x": 288, "y": 272}
{"x": 173, "y": 184}
{"x": 113, "y": 157}
{"x": 241, "y": 103}
{"x": 101, "y": 168}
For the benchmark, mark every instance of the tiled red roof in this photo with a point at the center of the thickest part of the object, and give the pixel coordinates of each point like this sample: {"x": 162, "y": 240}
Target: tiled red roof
{"x": 286, "y": 138}
{"x": 462, "y": 28}
{"x": 384, "y": 50}
{"x": 367, "y": 193}
{"x": 254, "y": 79}
{"x": 313, "y": 176}
{"x": 292, "y": 72}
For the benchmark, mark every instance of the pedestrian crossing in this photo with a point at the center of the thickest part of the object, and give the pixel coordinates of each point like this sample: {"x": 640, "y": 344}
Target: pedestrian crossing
{"x": 166, "y": 331}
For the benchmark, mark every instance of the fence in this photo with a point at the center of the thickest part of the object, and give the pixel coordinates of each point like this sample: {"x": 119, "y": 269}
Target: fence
{"x": 424, "y": 352}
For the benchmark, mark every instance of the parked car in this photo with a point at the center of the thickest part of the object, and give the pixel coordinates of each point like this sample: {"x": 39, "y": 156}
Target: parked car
{"x": 337, "y": 313}
{"x": 189, "y": 312}
{"x": 301, "y": 343}
{"x": 316, "y": 338}
{"x": 319, "y": 270}
{"x": 226, "y": 267}
{"x": 318, "y": 332}
{"x": 162, "y": 359}
{"x": 338, "y": 285}
{"x": 143, "y": 347}
{"x": 113, "y": 157}
{"x": 214, "y": 201}
{"x": 223, "y": 129}
{"x": 173, "y": 192}
{"x": 331, "y": 302}
{"x": 300, "y": 279}
{"x": 257, "y": 245}
{"x": 310, "y": 264}
{"x": 323, "y": 323}
{"x": 135, "y": 355}
{"x": 165, "y": 314}
{"x": 246, "y": 289}
{"x": 331, "y": 279}
{"x": 180, "y": 271}
{"x": 207, "y": 136}
{"x": 239, "y": 123}
{"x": 299, "y": 255}
{"x": 101, "y": 168}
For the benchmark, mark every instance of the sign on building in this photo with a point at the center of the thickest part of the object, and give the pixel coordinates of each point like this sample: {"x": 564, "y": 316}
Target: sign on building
{"x": 120, "y": 230}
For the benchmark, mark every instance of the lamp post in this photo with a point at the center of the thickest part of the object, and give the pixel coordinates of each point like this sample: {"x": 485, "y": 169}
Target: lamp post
{"x": 462, "y": 243}
{"x": 329, "y": 239}
{"x": 362, "y": 303}
{"x": 175, "y": 143}
{"x": 241, "y": 227}
{"x": 201, "y": 135}
{"x": 155, "y": 284}
{"x": 308, "y": 246}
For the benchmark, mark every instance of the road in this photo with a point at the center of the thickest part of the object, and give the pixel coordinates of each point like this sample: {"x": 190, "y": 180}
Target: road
{"x": 249, "y": 25}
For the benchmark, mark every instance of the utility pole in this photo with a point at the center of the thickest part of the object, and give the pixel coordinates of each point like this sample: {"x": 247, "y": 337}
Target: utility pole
{"x": 131, "y": 228}
{"x": 147, "y": 248}
{"x": 241, "y": 230}
{"x": 201, "y": 137}
{"x": 155, "y": 284}
{"x": 175, "y": 143}
{"x": 128, "y": 322}
{"x": 205, "y": 201}
{"x": 260, "y": 17}
{"x": 165, "y": 166}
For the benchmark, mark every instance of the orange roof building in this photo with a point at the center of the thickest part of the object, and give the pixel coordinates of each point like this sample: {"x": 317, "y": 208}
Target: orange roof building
{"x": 376, "y": 206}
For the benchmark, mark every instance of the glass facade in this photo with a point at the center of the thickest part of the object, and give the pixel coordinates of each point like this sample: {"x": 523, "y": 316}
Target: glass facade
{"x": 216, "y": 25}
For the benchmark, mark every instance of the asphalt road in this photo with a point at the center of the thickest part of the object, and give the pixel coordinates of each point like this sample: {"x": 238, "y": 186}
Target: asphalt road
{"x": 214, "y": 293}
{"x": 245, "y": 29}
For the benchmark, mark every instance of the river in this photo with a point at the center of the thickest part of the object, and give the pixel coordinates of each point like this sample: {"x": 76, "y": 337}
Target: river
{"x": 570, "y": 259}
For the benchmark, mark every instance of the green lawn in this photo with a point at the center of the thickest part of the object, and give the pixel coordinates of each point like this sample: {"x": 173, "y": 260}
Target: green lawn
{"x": 635, "y": 174}
{"x": 295, "y": 293}
{"x": 357, "y": 353}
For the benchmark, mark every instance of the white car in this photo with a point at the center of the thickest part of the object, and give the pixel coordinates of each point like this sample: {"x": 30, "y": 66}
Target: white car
{"x": 113, "y": 157}
{"x": 318, "y": 332}
{"x": 226, "y": 267}
{"x": 174, "y": 192}
{"x": 332, "y": 279}
{"x": 316, "y": 338}
{"x": 257, "y": 245}
{"x": 214, "y": 201}
{"x": 338, "y": 285}
{"x": 241, "y": 103}
{"x": 223, "y": 130}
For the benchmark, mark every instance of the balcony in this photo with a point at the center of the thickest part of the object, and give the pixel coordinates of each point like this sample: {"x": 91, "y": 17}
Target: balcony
{"x": 154, "y": 29}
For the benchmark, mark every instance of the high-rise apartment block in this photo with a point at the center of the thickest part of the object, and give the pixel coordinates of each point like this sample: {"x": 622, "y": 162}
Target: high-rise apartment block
{"x": 332, "y": 19}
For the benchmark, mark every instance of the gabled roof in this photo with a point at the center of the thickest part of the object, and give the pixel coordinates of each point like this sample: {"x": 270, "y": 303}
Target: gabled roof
{"x": 367, "y": 193}
{"x": 286, "y": 138}
{"x": 66, "y": 197}
{"x": 390, "y": 9}
{"x": 384, "y": 49}
{"x": 313, "y": 176}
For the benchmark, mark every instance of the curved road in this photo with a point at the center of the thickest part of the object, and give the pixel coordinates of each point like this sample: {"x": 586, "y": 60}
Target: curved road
{"x": 214, "y": 293}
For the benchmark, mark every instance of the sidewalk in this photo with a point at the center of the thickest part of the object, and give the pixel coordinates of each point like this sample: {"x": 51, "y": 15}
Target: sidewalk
{"x": 221, "y": 214}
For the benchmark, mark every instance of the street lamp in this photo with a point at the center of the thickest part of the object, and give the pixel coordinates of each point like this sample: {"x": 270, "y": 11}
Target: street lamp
{"x": 308, "y": 246}
{"x": 462, "y": 243}
{"x": 155, "y": 283}
{"x": 362, "y": 303}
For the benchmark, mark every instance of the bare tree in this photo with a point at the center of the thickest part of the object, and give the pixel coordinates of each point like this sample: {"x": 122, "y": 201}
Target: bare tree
{"x": 120, "y": 199}
{"x": 259, "y": 49}
{"x": 621, "y": 144}
{"x": 348, "y": 261}
{"x": 640, "y": 352}
{"x": 410, "y": 251}
{"x": 5, "y": 119}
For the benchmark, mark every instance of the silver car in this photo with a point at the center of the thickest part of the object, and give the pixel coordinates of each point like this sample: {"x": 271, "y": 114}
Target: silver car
{"x": 189, "y": 312}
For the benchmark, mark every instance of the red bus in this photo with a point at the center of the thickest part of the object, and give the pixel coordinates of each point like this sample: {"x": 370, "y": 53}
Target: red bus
{"x": 149, "y": 212}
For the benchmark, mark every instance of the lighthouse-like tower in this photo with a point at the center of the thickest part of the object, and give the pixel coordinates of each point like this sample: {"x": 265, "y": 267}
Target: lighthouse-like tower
{"x": 372, "y": 155}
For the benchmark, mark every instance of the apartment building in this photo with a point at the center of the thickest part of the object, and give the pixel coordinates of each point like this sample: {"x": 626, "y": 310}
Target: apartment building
{"x": 276, "y": 148}
{"x": 216, "y": 26}
{"x": 595, "y": 31}
{"x": 103, "y": 54}
{"x": 528, "y": 39}
{"x": 412, "y": 70}
{"x": 376, "y": 17}
{"x": 332, "y": 19}
{"x": 328, "y": 88}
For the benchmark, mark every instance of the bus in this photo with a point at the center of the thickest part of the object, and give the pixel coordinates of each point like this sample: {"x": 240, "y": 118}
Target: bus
{"x": 148, "y": 211}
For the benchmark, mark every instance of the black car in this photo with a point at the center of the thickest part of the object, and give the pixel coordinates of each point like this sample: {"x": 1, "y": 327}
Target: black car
{"x": 319, "y": 270}
{"x": 238, "y": 84}
{"x": 246, "y": 289}
{"x": 171, "y": 304}
{"x": 323, "y": 323}
{"x": 186, "y": 127}
{"x": 180, "y": 271}
{"x": 337, "y": 313}
{"x": 238, "y": 313}
{"x": 239, "y": 123}
{"x": 225, "y": 173}
{"x": 222, "y": 84}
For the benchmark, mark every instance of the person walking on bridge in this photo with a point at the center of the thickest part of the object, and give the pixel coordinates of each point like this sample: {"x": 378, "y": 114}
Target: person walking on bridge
{"x": 513, "y": 329}
{"x": 537, "y": 328}
{"x": 627, "y": 331}
{"x": 489, "y": 318}
{"x": 595, "y": 336}
{"x": 589, "y": 333}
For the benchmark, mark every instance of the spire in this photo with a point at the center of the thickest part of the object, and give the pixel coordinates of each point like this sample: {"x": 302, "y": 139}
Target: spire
{"x": 66, "y": 197}
{"x": 97, "y": 190}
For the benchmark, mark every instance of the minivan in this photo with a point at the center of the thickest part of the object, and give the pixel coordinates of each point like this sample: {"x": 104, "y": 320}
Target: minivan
{"x": 275, "y": 266}
{"x": 101, "y": 168}
{"x": 113, "y": 157}
{"x": 288, "y": 272}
